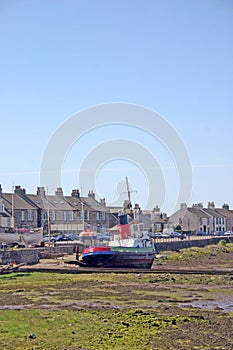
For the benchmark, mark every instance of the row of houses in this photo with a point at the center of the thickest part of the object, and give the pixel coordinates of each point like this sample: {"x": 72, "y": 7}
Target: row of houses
{"x": 203, "y": 219}
{"x": 74, "y": 213}
{"x": 69, "y": 214}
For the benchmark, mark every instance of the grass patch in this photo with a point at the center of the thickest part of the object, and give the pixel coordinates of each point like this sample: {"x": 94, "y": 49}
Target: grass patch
{"x": 85, "y": 329}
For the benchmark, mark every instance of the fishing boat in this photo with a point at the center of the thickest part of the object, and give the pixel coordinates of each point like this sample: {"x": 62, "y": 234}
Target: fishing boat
{"x": 23, "y": 237}
{"x": 129, "y": 246}
{"x": 123, "y": 253}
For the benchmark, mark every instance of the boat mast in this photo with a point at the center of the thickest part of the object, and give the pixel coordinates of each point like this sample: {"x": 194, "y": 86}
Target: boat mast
{"x": 129, "y": 204}
{"x": 12, "y": 207}
{"x": 83, "y": 216}
{"x": 128, "y": 190}
{"x": 49, "y": 231}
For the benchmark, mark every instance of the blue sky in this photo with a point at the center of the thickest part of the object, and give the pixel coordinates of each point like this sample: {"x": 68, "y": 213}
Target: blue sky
{"x": 172, "y": 56}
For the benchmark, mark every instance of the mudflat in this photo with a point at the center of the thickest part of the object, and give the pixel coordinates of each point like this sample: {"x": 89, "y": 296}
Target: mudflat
{"x": 169, "y": 307}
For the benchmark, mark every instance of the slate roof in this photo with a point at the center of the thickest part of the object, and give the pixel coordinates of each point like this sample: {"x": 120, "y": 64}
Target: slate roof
{"x": 75, "y": 202}
{"x": 51, "y": 202}
{"x": 18, "y": 201}
{"x": 225, "y": 212}
{"x": 94, "y": 204}
{"x": 213, "y": 212}
{"x": 200, "y": 213}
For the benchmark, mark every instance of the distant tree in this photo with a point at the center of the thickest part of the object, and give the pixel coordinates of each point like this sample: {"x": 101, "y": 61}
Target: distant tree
{"x": 177, "y": 228}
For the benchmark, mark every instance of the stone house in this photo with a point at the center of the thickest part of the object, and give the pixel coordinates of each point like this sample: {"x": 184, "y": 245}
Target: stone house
{"x": 218, "y": 220}
{"x": 191, "y": 219}
{"x": 23, "y": 213}
{"x": 6, "y": 219}
{"x": 55, "y": 211}
{"x": 158, "y": 220}
{"x": 228, "y": 214}
{"x": 97, "y": 216}
{"x": 200, "y": 219}
{"x": 68, "y": 214}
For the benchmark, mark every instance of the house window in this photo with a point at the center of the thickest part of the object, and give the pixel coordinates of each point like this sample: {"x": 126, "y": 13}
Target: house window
{"x": 30, "y": 215}
{"x": 53, "y": 215}
{"x": 64, "y": 215}
{"x": 2, "y": 209}
{"x": 200, "y": 221}
{"x": 87, "y": 215}
{"x": 97, "y": 215}
{"x": 71, "y": 215}
{"x": 208, "y": 221}
{"x": 103, "y": 216}
{"x": 81, "y": 216}
{"x": 22, "y": 215}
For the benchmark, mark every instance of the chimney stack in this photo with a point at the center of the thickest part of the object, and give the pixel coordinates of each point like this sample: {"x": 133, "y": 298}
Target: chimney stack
{"x": 59, "y": 192}
{"x": 91, "y": 194}
{"x": 40, "y": 191}
{"x": 20, "y": 191}
{"x": 75, "y": 193}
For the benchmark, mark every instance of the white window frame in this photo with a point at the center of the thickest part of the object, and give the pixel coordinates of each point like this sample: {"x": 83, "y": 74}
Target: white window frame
{"x": 71, "y": 215}
{"x": 53, "y": 215}
{"x": 30, "y": 215}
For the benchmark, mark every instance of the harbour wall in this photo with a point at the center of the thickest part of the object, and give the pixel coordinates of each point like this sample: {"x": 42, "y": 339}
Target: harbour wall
{"x": 31, "y": 256}
{"x": 171, "y": 244}
{"x": 19, "y": 256}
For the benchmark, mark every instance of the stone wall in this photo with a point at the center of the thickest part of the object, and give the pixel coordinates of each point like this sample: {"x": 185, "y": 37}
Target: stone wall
{"x": 30, "y": 256}
{"x": 19, "y": 256}
{"x": 186, "y": 243}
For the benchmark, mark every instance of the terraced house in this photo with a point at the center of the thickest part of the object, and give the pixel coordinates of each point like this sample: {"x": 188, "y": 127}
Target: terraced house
{"x": 21, "y": 213}
{"x": 69, "y": 214}
{"x": 200, "y": 219}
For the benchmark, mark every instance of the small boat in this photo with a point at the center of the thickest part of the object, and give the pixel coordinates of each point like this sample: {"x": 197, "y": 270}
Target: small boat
{"x": 138, "y": 252}
{"x": 23, "y": 237}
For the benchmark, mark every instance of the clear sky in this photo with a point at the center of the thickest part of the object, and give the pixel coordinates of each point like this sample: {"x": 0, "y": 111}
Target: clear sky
{"x": 175, "y": 57}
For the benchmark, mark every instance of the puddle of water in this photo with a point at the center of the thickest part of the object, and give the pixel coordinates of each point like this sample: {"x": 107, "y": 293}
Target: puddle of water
{"x": 206, "y": 304}
{"x": 15, "y": 307}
